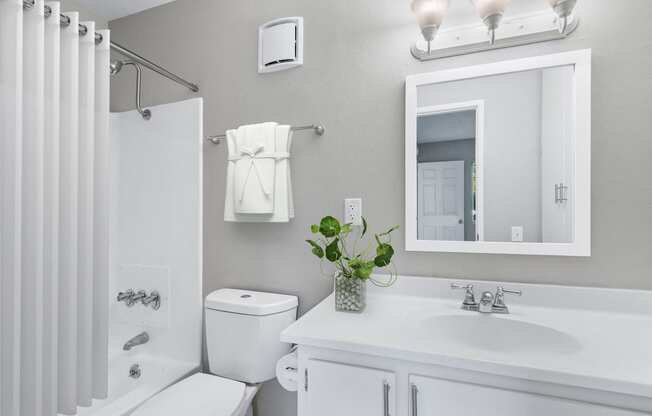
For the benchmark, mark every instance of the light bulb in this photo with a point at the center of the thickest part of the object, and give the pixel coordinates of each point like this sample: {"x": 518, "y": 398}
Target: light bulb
{"x": 430, "y": 14}
{"x": 491, "y": 12}
{"x": 563, "y": 9}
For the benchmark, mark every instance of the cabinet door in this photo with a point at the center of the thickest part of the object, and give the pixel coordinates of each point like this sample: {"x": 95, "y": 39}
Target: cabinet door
{"x": 347, "y": 390}
{"x": 447, "y": 398}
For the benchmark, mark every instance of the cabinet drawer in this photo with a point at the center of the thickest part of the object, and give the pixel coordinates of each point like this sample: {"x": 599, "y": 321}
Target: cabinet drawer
{"x": 440, "y": 397}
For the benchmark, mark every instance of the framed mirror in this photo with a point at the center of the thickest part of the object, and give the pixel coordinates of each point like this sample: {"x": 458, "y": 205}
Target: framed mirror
{"x": 498, "y": 157}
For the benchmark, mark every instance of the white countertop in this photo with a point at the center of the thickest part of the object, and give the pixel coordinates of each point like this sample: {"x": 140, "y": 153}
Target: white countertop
{"x": 606, "y": 334}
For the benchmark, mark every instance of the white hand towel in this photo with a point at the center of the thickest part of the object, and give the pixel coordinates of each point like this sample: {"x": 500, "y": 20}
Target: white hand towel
{"x": 254, "y": 172}
{"x": 280, "y": 187}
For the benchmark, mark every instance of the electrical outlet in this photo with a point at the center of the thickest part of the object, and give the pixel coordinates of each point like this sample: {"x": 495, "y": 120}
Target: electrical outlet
{"x": 353, "y": 211}
{"x": 517, "y": 233}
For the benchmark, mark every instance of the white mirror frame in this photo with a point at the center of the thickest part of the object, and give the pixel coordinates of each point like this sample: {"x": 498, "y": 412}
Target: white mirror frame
{"x": 581, "y": 245}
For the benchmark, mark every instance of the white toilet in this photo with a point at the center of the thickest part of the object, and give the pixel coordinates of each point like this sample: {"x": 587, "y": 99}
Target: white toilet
{"x": 242, "y": 333}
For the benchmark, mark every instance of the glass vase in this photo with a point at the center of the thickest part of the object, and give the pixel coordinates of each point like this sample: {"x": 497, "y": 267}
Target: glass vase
{"x": 350, "y": 294}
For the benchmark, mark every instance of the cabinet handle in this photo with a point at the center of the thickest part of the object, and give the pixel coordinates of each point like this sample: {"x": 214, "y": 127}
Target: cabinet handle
{"x": 386, "y": 388}
{"x": 414, "y": 392}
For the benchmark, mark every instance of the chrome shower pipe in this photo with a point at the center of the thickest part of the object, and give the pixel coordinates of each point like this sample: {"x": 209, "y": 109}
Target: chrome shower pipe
{"x": 133, "y": 56}
{"x": 116, "y": 66}
{"x": 152, "y": 66}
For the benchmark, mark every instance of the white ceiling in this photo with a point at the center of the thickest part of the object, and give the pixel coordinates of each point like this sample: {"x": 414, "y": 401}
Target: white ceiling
{"x": 114, "y": 9}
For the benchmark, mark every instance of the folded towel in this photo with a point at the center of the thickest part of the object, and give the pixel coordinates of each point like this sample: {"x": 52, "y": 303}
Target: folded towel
{"x": 259, "y": 186}
{"x": 255, "y": 168}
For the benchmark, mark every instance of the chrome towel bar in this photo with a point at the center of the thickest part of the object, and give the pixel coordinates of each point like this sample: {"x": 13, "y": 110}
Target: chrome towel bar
{"x": 317, "y": 128}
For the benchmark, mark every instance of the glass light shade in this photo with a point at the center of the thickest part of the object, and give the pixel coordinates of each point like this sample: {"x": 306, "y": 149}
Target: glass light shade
{"x": 430, "y": 14}
{"x": 488, "y": 8}
{"x": 563, "y": 8}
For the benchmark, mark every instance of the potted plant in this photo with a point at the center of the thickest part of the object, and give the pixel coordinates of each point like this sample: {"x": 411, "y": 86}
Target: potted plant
{"x": 338, "y": 244}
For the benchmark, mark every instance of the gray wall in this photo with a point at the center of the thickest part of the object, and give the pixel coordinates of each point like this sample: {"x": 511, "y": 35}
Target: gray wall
{"x": 357, "y": 57}
{"x": 455, "y": 150}
{"x": 85, "y": 13}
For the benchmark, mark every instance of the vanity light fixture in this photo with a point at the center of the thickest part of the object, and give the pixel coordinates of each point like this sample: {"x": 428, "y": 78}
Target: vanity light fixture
{"x": 564, "y": 10}
{"x": 491, "y": 12}
{"x": 555, "y": 20}
{"x": 430, "y": 14}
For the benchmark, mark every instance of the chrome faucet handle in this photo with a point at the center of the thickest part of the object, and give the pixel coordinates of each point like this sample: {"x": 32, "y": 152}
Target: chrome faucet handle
{"x": 469, "y": 302}
{"x": 140, "y": 295}
{"x": 154, "y": 299}
{"x": 499, "y": 299}
{"x": 125, "y": 296}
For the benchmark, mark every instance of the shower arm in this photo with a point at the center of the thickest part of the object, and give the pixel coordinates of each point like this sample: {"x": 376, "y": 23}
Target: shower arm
{"x": 145, "y": 113}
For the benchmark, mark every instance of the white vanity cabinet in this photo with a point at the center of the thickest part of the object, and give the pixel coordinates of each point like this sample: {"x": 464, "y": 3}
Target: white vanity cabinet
{"x": 554, "y": 354}
{"x": 350, "y": 384}
{"x": 341, "y": 389}
{"x": 432, "y": 396}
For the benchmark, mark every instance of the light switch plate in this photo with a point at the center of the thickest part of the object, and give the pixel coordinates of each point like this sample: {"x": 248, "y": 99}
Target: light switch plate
{"x": 517, "y": 233}
{"x": 353, "y": 211}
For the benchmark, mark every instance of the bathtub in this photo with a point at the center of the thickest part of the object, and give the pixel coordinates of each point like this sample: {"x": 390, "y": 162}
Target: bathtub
{"x": 127, "y": 393}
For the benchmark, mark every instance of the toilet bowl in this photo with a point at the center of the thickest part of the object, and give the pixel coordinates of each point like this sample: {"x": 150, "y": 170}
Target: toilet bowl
{"x": 243, "y": 341}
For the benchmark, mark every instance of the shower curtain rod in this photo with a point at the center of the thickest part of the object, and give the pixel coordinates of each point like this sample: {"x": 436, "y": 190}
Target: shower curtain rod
{"x": 83, "y": 31}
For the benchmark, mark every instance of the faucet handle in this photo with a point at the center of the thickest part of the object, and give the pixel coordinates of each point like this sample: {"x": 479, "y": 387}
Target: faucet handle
{"x": 501, "y": 291}
{"x": 125, "y": 296}
{"x": 469, "y": 296}
{"x": 499, "y": 299}
{"x": 154, "y": 299}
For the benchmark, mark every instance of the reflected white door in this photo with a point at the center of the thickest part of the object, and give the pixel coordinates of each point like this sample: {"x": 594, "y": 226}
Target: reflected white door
{"x": 440, "y": 190}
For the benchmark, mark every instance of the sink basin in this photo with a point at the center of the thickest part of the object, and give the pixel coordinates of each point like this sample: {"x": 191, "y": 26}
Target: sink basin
{"x": 499, "y": 333}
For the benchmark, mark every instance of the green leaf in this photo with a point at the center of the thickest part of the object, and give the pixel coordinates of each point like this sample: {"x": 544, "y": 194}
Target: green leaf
{"x": 364, "y": 227}
{"x": 333, "y": 252}
{"x": 316, "y": 249}
{"x": 329, "y": 227}
{"x": 314, "y": 228}
{"x": 362, "y": 269}
{"x": 385, "y": 250}
{"x": 384, "y": 253}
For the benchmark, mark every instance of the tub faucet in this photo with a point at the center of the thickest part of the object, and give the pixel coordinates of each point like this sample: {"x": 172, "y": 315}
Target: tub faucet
{"x": 139, "y": 339}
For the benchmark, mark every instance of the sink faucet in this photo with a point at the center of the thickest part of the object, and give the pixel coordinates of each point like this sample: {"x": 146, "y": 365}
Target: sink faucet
{"x": 486, "y": 302}
{"x": 139, "y": 339}
{"x": 489, "y": 303}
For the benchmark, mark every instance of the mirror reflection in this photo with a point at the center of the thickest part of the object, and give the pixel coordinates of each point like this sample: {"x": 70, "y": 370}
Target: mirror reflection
{"x": 495, "y": 158}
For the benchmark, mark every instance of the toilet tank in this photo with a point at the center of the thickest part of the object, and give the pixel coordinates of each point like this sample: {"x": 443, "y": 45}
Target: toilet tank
{"x": 243, "y": 329}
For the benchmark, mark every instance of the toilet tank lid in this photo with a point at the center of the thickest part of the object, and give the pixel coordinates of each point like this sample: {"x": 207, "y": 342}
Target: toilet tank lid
{"x": 249, "y": 302}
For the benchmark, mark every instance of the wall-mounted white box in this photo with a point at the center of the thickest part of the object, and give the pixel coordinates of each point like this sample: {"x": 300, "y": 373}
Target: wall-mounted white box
{"x": 280, "y": 44}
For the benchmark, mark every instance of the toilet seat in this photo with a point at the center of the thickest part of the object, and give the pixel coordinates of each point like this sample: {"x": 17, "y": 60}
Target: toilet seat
{"x": 197, "y": 395}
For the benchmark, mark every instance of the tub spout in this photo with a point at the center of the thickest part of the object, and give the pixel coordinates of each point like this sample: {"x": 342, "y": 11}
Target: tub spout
{"x": 139, "y": 339}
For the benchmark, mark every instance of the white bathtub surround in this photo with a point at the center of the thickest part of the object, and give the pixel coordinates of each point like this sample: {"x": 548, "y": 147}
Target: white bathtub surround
{"x": 587, "y": 346}
{"x": 156, "y": 240}
{"x": 55, "y": 105}
{"x": 259, "y": 185}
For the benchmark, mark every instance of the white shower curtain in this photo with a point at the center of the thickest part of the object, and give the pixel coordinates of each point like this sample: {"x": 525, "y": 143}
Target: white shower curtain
{"x": 54, "y": 109}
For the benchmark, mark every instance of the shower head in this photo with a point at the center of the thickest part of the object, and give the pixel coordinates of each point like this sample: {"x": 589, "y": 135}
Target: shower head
{"x": 116, "y": 66}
